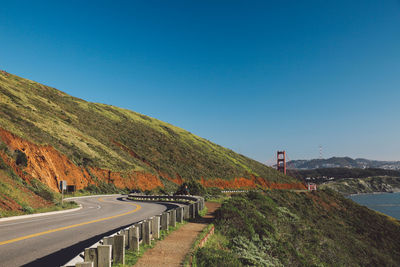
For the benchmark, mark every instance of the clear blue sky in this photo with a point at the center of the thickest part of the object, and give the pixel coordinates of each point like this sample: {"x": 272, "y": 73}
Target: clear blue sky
{"x": 253, "y": 76}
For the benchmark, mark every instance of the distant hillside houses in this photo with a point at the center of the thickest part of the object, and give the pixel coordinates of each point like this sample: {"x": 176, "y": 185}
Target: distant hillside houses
{"x": 342, "y": 162}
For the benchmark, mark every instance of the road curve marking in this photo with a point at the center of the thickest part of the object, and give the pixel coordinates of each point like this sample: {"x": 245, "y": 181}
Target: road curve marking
{"x": 138, "y": 207}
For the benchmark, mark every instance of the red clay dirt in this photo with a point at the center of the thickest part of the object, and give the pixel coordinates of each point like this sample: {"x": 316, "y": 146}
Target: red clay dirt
{"x": 172, "y": 250}
{"x": 49, "y": 166}
{"x": 245, "y": 183}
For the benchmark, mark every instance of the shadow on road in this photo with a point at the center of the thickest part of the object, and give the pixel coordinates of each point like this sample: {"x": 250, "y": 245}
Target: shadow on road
{"x": 64, "y": 255}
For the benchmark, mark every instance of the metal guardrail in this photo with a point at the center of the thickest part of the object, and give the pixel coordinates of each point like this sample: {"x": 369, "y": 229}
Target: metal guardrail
{"x": 111, "y": 249}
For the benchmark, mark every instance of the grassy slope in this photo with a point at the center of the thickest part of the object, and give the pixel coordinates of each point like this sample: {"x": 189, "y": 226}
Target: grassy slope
{"x": 281, "y": 228}
{"x": 116, "y": 139}
{"x": 17, "y": 196}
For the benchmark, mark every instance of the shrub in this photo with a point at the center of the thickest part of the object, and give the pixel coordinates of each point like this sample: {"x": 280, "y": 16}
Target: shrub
{"x": 195, "y": 188}
{"x": 214, "y": 191}
{"x": 27, "y": 209}
{"x": 213, "y": 257}
{"x": 255, "y": 251}
{"x": 21, "y": 159}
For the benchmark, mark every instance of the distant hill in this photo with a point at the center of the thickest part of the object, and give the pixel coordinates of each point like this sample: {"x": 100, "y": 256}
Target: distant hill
{"x": 48, "y": 136}
{"x": 323, "y": 174}
{"x": 343, "y": 162}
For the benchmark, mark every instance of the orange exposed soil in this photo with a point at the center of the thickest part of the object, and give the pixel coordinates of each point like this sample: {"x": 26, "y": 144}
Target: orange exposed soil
{"x": 48, "y": 165}
{"x": 45, "y": 163}
{"x": 178, "y": 180}
{"x": 245, "y": 183}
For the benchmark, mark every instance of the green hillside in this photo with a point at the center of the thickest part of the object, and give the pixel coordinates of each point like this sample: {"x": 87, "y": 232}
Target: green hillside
{"x": 115, "y": 139}
{"x": 282, "y": 228}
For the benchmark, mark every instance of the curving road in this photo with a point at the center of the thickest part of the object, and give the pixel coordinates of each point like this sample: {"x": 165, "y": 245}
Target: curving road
{"x": 52, "y": 240}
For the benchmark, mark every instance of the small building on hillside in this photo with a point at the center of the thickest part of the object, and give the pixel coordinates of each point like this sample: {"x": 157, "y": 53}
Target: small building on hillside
{"x": 311, "y": 186}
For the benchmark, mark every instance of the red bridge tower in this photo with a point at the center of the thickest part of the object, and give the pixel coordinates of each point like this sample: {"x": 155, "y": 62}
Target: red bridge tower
{"x": 281, "y": 161}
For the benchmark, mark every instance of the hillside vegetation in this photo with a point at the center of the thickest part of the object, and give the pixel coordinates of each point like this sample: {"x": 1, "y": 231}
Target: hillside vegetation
{"x": 283, "y": 228}
{"x": 50, "y": 136}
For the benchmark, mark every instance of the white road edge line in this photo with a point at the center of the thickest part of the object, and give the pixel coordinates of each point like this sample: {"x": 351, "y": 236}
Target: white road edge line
{"x": 38, "y": 214}
{"x": 51, "y": 212}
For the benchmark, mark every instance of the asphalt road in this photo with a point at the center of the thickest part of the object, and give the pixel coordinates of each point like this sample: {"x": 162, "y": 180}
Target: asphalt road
{"x": 53, "y": 240}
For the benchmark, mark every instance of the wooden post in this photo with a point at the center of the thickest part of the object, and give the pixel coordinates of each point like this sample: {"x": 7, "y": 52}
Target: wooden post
{"x": 119, "y": 249}
{"x": 104, "y": 256}
{"x": 172, "y": 218}
{"x": 91, "y": 256}
{"x": 134, "y": 238}
{"x": 146, "y": 236}
{"x": 164, "y": 221}
{"x": 84, "y": 264}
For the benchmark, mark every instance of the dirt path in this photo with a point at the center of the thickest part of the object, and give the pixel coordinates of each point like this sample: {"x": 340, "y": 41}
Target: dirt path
{"x": 172, "y": 250}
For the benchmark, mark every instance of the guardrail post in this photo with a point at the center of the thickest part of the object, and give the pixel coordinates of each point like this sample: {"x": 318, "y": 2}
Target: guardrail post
{"x": 142, "y": 230}
{"x": 146, "y": 236}
{"x": 108, "y": 240}
{"x": 119, "y": 249}
{"x": 104, "y": 256}
{"x": 196, "y": 209}
{"x": 191, "y": 211}
{"x": 134, "y": 238}
{"x": 179, "y": 214}
{"x": 84, "y": 264}
{"x": 156, "y": 227}
{"x": 125, "y": 232}
{"x": 164, "y": 221}
{"x": 186, "y": 213}
{"x": 172, "y": 218}
{"x": 91, "y": 256}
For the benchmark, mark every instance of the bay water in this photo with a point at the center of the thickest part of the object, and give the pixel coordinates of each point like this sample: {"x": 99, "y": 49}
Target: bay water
{"x": 387, "y": 203}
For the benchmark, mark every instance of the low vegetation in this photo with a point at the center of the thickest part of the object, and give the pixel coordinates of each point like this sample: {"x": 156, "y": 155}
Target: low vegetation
{"x": 283, "y": 228}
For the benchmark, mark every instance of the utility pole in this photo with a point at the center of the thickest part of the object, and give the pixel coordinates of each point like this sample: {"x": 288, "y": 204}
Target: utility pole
{"x": 320, "y": 151}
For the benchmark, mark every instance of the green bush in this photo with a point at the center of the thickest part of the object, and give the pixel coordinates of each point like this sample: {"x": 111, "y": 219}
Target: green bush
{"x": 206, "y": 257}
{"x": 27, "y": 209}
{"x": 20, "y": 158}
{"x": 255, "y": 251}
{"x": 214, "y": 191}
{"x": 195, "y": 188}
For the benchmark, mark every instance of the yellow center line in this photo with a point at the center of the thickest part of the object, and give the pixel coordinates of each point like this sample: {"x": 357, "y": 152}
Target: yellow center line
{"x": 138, "y": 207}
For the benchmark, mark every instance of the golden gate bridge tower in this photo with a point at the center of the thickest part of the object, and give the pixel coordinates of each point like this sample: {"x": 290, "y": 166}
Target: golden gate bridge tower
{"x": 281, "y": 161}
